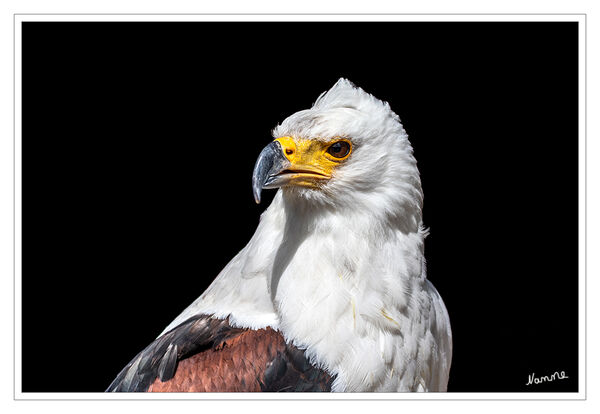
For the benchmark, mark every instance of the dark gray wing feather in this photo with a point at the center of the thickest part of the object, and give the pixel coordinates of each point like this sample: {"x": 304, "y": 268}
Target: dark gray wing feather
{"x": 160, "y": 358}
{"x": 291, "y": 371}
{"x": 287, "y": 370}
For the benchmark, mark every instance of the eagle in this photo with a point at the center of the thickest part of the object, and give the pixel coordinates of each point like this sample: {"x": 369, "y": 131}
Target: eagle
{"x": 330, "y": 293}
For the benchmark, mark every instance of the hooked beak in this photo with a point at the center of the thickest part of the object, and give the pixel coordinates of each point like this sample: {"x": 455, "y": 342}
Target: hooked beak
{"x": 286, "y": 162}
{"x": 270, "y": 162}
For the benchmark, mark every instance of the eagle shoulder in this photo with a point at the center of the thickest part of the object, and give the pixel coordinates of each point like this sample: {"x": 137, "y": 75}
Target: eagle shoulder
{"x": 205, "y": 354}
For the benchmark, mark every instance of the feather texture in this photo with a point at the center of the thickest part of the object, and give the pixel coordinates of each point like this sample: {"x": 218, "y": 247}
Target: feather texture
{"x": 205, "y": 354}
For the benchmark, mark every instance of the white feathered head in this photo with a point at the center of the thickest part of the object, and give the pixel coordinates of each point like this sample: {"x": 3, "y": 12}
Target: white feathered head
{"x": 348, "y": 152}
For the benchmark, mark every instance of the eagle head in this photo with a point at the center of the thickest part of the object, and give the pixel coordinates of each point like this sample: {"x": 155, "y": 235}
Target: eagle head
{"x": 349, "y": 151}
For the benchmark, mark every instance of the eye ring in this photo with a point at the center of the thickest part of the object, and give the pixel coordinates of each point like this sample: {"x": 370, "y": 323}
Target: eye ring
{"x": 339, "y": 149}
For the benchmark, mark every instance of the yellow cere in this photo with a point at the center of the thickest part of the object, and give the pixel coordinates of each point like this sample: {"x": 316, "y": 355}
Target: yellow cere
{"x": 310, "y": 161}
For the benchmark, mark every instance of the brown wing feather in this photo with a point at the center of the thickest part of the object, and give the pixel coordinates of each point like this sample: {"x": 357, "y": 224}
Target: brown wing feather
{"x": 205, "y": 354}
{"x": 236, "y": 365}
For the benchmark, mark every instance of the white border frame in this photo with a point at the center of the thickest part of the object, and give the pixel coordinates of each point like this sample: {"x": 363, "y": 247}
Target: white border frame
{"x": 580, "y": 18}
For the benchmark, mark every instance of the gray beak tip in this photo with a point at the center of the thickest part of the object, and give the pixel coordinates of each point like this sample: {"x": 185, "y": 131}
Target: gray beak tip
{"x": 270, "y": 161}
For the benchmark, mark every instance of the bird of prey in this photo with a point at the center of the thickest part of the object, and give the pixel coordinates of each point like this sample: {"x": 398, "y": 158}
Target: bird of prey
{"x": 330, "y": 293}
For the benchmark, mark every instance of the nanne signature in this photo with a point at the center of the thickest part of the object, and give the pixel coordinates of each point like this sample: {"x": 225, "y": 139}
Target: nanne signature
{"x": 546, "y": 378}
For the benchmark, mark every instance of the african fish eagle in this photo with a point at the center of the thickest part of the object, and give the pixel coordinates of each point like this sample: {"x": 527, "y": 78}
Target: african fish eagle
{"x": 330, "y": 294}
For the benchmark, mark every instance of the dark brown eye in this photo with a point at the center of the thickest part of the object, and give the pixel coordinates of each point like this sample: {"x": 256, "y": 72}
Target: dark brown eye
{"x": 339, "y": 149}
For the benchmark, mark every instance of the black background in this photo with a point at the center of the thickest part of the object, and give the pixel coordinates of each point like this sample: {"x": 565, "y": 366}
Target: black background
{"x": 138, "y": 146}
